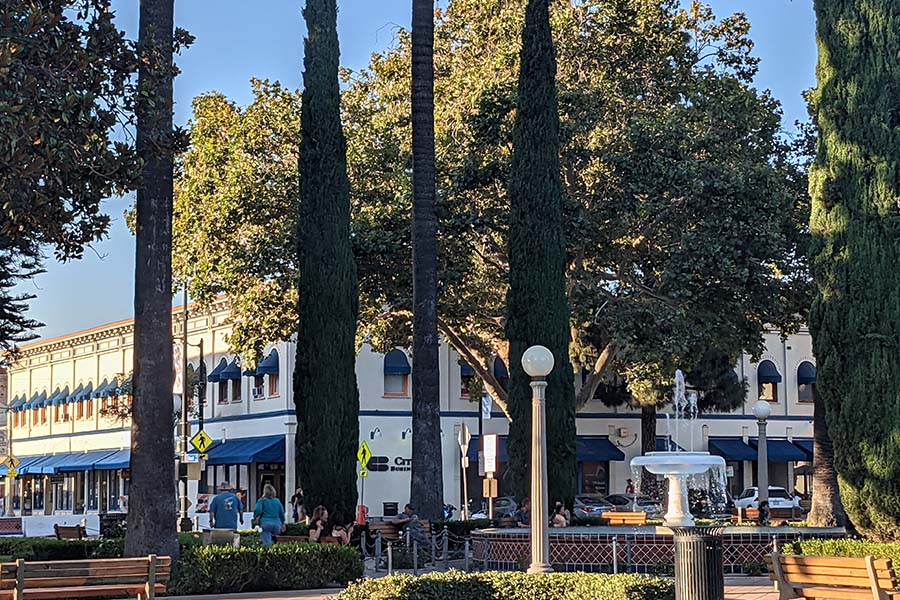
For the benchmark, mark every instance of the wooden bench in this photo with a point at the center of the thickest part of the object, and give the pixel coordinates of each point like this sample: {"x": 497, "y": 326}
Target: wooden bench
{"x": 11, "y": 526}
{"x": 831, "y": 577}
{"x": 390, "y": 531}
{"x": 752, "y": 514}
{"x": 625, "y": 518}
{"x": 69, "y": 532}
{"x": 291, "y": 539}
{"x": 141, "y": 577}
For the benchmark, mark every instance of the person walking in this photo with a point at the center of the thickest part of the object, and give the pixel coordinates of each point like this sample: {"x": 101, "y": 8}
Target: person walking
{"x": 226, "y": 509}
{"x": 297, "y": 510}
{"x": 269, "y": 515}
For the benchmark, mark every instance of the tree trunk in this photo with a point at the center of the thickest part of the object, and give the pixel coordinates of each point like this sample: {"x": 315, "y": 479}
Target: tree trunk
{"x": 325, "y": 391}
{"x": 537, "y": 308}
{"x": 827, "y": 509}
{"x": 427, "y": 481}
{"x": 649, "y": 484}
{"x": 151, "y": 516}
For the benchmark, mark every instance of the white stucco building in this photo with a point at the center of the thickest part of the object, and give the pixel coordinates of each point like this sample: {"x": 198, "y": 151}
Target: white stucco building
{"x": 75, "y": 454}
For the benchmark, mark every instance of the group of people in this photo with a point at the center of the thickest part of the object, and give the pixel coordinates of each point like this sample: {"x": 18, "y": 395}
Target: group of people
{"x": 559, "y": 517}
{"x": 227, "y": 510}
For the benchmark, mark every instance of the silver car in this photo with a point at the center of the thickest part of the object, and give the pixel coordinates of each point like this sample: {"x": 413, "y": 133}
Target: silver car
{"x": 590, "y": 505}
{"x": 635, "y": 503}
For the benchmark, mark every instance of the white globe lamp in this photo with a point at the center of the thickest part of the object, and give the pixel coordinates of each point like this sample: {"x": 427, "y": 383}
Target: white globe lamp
{"x": 537, "y": 361}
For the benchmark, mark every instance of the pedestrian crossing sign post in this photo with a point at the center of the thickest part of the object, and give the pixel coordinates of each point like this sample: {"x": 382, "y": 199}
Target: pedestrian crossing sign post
{"x": 11, "y": 463}
{"x": 201, "y": 442}
{"x": 363, "y": 455}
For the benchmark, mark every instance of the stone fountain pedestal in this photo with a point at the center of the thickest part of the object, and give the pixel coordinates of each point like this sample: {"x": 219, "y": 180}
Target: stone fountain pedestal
{"x": 699, "y": 569}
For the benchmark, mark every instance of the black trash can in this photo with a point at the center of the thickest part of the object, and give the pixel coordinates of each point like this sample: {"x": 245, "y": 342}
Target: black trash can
{"x": 390, "y": 509}
{"x": 699, "y": 563}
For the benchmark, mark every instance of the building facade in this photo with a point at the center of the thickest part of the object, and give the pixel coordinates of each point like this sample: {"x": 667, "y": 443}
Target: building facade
{"x": 68, "y": 422}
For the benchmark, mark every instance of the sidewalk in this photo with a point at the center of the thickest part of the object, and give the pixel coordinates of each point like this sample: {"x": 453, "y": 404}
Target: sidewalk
{"x": 749, "y": 588}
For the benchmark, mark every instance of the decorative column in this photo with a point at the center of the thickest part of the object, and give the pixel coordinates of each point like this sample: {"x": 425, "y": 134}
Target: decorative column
{"x": 290, "y": 465}
{"x": 762, "y": 410}
{"x": 538, "y": 363}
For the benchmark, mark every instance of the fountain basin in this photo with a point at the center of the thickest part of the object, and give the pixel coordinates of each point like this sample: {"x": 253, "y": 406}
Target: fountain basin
{"x": 679, "y": 463}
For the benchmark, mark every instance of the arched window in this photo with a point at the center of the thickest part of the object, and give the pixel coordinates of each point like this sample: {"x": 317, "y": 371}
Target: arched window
{"x": 396, "y": 374}
{"x": 767, "y": 380}
{"x": 466, "y": 374}
{"x": 806, "y": 382}
{"x": 269, "y": 366}
{"x": 501, "y": 373}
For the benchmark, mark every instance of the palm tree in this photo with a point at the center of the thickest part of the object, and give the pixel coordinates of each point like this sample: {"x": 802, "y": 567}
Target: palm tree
{"x": 426, "y": 484}
{"x": 151, "y": 515}
{"x": 827, "y": 508}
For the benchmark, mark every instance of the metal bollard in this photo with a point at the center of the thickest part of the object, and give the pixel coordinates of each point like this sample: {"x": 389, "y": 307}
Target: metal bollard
{"x": 466, "y": 555}
{"x": 407, "y": 536}
{"x": 775, "y": 543}
{"x": 615, "y": 553}
{"x": 415, "y": 549}
{"x": 196, "y": 523}
{"x": 377, "y": 549}
{"x": 433, "y": 548}
{"x": 84, "y": 524}
{"x": 390, "y": 558}
{"x": 446, "y": 549}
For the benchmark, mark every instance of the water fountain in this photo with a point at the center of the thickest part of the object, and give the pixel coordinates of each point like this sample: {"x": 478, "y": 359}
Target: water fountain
{"x": 682, "y": 467}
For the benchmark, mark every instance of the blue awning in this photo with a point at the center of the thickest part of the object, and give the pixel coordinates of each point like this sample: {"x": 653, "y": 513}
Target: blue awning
{"x": 17, "y": 402}
{"x": 731, "y": 449}
{"x": 84, "y": 394}
{"x": 111, "y": 389}
{"x": 767, "y": 372}
{"x": 33, "y": 402}
{"x": 806, "y": 446}
{"x": 396, "y": 363}
{"x": 806, "y": 373}
{"x": 466, "y": 370}
{"x": 500, "y": 370}
{"x": 665, "y": 444}
{"x": 780, "y": 450}
{"x": 120, "y": 459}
{"x": 100, "y": 389}
{"x": 597, "y": 449}
{"x": 50, "y": 465}
{"x": 84, "y": 461}
{"x": 474, "y": 445}
{"x": 33, "y": 466}
{"x": 60, "y": 397}
{"x": 214, "y": 376}
{"x": 231, "y": 372}
{"x": 243, "y": 451}
{"x": 52, "y": 399}
{"x": 268, "y": 365}
{"x": 75, "y": 392}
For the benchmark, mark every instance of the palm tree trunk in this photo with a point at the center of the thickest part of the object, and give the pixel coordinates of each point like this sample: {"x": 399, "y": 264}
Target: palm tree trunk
{"x": 426, "y": 483}
{"x": 827, "y": 508}
{"x": 151, "y": 515}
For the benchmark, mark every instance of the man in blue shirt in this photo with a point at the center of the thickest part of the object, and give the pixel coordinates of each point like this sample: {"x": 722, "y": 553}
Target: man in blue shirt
{"x": 226, "y": 509}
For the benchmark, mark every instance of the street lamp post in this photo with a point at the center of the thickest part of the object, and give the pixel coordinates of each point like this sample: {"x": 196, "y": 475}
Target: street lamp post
{"x": 538, "y": 363}
{"x": 762, "y": 410}
{"x": 184, "y": 425}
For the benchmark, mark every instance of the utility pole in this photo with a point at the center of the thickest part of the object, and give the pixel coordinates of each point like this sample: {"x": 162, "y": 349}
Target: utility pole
{"x": 184, "y": 522}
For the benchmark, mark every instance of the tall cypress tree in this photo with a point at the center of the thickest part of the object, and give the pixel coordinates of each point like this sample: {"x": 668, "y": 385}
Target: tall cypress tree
{"x": 855, "y": 319}
{"x": 325, "y": 391}
{"x": 537, "y": 311}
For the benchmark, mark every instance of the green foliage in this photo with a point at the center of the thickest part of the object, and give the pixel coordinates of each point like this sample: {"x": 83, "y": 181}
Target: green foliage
{"x": 855, "y": 319}
{"x": 847, "y": 547}
{"x": 41, "y": 549}
{"x": 219, "y": 569}
{"x": 511, "y": 586}
{"x": 325, "y": 391}
{"x": 537, "y": 311}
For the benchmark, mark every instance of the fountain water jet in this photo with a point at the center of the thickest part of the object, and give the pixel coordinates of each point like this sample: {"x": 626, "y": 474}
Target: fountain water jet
{"x": 678, "y": 466}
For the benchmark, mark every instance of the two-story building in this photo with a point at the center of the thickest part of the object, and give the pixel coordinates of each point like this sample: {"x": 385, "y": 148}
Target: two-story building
{"x": 69, "y": 424}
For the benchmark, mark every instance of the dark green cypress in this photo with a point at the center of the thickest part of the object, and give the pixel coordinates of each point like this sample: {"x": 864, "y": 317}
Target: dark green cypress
{"x": 325, "y": 391}
{"x": 537, "y": 311}
{"x": 855, "y": 186}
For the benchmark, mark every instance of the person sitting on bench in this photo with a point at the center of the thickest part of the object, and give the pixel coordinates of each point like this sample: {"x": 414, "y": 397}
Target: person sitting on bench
{"x": 409, "y": 520}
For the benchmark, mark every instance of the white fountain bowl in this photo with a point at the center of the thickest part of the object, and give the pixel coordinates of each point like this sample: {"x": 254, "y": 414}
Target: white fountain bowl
{"x": 678, "y": 463}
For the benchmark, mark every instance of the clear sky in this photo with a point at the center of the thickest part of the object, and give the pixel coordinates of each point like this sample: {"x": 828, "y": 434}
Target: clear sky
{"x": 237, "y": 40}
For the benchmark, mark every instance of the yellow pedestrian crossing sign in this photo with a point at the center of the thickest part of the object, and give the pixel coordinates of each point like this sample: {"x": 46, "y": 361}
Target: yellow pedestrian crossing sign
{"x": 363, "y": 456}
{"x": 11, "y": 462}
{"x": 201, "y": 441}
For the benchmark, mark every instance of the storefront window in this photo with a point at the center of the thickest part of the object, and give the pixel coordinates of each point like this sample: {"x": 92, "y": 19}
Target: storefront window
{"x": 594, "y": 478}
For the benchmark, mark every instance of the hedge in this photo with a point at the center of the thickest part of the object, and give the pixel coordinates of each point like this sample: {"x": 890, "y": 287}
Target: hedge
{"x": 221, "y": 569}
{"x": 456, "y": 585}
{"x": 42, "y": 549}
{"x": 848, "y": 548}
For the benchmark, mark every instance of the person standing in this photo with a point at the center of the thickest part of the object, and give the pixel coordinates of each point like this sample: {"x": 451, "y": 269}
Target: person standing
{"x": 269, "y": 515}
{"x": 297, "y": 510}
{"x": 226, "y": 509}
{"x": 629, "y": 487}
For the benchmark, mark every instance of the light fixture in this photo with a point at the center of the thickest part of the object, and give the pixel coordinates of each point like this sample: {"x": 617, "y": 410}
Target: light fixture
{"x": 537, "y": 361}
{"x": 375, "y": 433}
{"x": 407, "y": 434}
{"x": 762, "y": 409}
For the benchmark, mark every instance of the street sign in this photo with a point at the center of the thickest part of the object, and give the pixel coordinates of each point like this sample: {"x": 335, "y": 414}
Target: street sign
{"x": 489, "y": 488}
{"x": 363, "y": 473}
{"x": 464, "y": 438}
{"x": 11, "y": 462}
{"x": 487, "y": 404}
{"x": 12, "y": 474}
{"x": 363, "y": 455}
{"x": 201, "y": 441}
{"x": 490, "y": 453}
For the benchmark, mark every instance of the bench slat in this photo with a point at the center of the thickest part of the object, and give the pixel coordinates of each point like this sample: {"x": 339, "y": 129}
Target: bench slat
{"x": 99, "y": 563}
{"x": 834, "y": 593}
{"x": 92, "y": 580}
{"x": 843, "y": 571}
{"x": 832, "y": 561}
{"x": 834, "y": 580}
{"x": 91, "y": 570}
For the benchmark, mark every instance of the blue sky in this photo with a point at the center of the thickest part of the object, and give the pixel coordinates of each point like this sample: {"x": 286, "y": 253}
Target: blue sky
{"x": 237, "y": 40}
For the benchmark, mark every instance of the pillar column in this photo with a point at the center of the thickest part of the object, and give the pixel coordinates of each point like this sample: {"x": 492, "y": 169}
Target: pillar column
{"x": 290, "y": 465}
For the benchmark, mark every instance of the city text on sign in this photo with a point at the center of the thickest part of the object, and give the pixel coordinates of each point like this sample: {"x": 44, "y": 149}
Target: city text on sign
{"x": 201, "y": 441}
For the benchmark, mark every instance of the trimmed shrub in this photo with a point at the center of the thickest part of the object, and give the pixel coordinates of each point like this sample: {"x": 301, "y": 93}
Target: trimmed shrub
{"x": 41, "y": 549}
{"x": 456, "y": 585}
{"x": 848, "y": 548}
{"x": 221, "y": 569}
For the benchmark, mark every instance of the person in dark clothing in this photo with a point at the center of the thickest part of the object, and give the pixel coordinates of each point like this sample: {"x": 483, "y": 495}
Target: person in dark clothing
{"x": 523, "y": 515}
{"x": 409, "y": 521}
{"x": 763, "y": 514}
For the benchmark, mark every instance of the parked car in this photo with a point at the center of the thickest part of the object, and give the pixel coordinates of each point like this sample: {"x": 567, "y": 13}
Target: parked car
{"x": 590, "y": 505}
{"x": 504, "y": 506}
{"x": 778, "y": 498}
{"x": 635, "y": 503}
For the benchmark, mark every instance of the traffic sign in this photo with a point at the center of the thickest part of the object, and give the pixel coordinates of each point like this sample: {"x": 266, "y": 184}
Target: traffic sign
{"x": 11, "y": 462}
{"x": 464, "y": 438}
{"x": 363, "y": 473}
{"x": 490, "y": 453}
{"x": 12, "y": 474}
{"x": 363, "y": 455}
{"x": 201, "y": 441}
